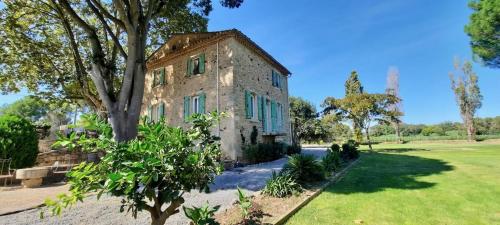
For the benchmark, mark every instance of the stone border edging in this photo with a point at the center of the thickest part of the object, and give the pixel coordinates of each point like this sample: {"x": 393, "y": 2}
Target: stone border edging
{"x": 297, "y": 207}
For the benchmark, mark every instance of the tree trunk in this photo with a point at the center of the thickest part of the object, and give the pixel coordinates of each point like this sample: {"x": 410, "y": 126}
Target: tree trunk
{"x": 471, "y": 132}
{"x": 368, "y": 138}
{"x": 398, "y": 133}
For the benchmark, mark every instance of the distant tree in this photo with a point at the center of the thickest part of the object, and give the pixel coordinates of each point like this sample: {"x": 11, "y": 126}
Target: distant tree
{"x": 302, "y": 113}
{"x": 484, "y": 31}
{"x": 464, "y": 83}
{"x": 397, "y": 108}
{"x": 335, "y": 129}
{"x": 361, "y": 109}
{"x": 433, "y": 130}
{"x": 353, "y": 86}
{"x": 30, "y": 108}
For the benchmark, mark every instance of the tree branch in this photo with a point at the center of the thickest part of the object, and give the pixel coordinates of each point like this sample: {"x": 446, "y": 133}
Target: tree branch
{"x": 108, "y": 15}
{"x": 108, "y": 29}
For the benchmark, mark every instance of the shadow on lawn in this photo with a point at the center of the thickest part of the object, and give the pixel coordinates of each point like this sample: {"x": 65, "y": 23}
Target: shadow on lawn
{"x": 379, "y": 171}
{"x": 401, "y": 150}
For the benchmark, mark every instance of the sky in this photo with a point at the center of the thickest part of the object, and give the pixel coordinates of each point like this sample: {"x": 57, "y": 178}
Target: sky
{"x": 322, "y": 42}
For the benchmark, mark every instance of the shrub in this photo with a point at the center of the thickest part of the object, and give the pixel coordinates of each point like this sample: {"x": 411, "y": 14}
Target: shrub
{"x": 304, "y": 168}
{"x": 331, "y": 161}
{"x": 18, "y": 141}
{"x": 349, "y": 150}
{"x": 281, "y": 186}
{"x": 335, "y": 148}
{"x": 263, "y": 152}
{"x": 293, "y": 149}
{"x": 201, "y": 216}
{"x": 150, "y": 171}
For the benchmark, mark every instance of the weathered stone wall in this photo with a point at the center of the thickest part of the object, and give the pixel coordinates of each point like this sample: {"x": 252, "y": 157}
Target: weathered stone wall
{"x": 254, "y": 74}
{"x": 50, "y": 157}
{"x": 178, "y": 85}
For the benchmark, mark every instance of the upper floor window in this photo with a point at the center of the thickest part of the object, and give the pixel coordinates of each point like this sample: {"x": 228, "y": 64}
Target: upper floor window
{"x": 158, "y": 76}
{"x": 277, "y": 79}
{"x": 196, "y": 65}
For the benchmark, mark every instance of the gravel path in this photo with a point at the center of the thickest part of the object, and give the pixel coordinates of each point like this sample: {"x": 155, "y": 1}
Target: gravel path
{"x": 105, "y": 211}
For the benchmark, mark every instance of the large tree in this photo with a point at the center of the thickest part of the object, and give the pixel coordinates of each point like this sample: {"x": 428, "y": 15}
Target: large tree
{"x": 392, "y": 88}
{"x": 302, "y": 116}
{"x": 361, "y": 108}
{"x": 464, "y": 83}
{"x": 484, "y": 31}
{"x": 107, "y": 41}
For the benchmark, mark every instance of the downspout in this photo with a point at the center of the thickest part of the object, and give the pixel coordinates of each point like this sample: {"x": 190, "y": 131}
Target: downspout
{"x": 217, "y": 87}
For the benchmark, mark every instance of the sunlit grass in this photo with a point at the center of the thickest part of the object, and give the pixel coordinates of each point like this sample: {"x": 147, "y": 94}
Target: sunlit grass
{"x": 425, "y": 183}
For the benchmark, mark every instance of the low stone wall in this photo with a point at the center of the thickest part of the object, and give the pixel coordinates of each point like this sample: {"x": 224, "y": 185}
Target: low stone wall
{"x": 64, "y": 157}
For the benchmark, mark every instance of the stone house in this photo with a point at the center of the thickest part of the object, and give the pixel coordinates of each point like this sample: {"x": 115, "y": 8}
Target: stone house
{"x": 221, "y": 71}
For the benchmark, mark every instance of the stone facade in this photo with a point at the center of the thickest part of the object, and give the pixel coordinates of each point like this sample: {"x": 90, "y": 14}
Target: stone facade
{"x": 233, "y": 66}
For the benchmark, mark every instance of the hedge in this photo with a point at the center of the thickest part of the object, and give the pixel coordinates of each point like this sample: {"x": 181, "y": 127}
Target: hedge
{"x": 18, "y": 141}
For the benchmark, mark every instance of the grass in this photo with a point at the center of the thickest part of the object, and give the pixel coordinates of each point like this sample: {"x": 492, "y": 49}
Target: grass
{"x": 389, "y": 138}
{"x": 425, "y": 183}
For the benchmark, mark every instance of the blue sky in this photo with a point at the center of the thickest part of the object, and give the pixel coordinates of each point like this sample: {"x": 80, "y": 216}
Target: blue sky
{"x": 322, "y": 43}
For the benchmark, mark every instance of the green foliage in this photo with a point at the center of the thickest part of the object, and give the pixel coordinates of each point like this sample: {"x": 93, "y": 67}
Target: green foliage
{"x": 349, "y": 150}
{"x": 293, "y": 149}
{"x": 282, "y": 185}
{"x": 263, "y": 152}
{"x": 483, "y": 29}
{"x": 18, "y": 141}
{"x": 304, "y": 168}
{"x": 433, "y": 131}
{"x": 157, "y": 167}
{"x": 244, "y": 203}
{"x": 302, "y": 116}
{"x": 201, "y": 216}
{"x": 30, "y": 108}
{"x": 331, "y": 161}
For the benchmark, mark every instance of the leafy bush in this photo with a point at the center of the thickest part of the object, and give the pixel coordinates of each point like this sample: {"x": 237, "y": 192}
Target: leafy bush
{"x": 349, "y": 150}
{"x": 281, "y": 186}
{"x": 335, "y": 148}
{"x": 201, "y": 216}
{"x": 18, "y": 141}
{"x": 293, "y": 149}
{"x": 151, "y": 171}
{"x": 304, "y": 168}
{"x": 263, "y": 152}
{"x": 331, "y": 161}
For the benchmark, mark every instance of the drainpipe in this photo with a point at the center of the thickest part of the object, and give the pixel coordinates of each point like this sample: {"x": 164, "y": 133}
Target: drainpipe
{"x": 217, "y": 87}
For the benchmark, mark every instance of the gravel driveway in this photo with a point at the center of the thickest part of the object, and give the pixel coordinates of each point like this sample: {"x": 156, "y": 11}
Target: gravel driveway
{"x": 105, "y": 211}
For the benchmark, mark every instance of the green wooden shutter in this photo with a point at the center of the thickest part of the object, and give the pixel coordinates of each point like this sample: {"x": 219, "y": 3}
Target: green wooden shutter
{"x": 264, "y": 115}
{"x": 186, "y": 108}
{"x": 273, "y": 77}
{"x": 202, "y": 63}
{"x": 150, "y": 113}
{"x": 161, "y": 110}
{"x": 189, "y": 63}
{"x": 259, "y": 106}
{"x": 201, "y": 101}
{"x": 247, "y": 105}
{"x": 162, "y": 76}
{"x": 273, "y": 116}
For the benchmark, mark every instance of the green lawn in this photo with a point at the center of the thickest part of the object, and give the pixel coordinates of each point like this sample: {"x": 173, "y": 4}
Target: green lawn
{"x": 425, "y": 183}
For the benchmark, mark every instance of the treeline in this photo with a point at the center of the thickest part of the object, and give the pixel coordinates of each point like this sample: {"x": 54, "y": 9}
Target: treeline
{"x": 484, "y": 126}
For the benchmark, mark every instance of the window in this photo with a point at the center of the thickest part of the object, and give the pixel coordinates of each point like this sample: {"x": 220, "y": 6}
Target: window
{"x": 194, "y": 104}
{"x": 276, "y": 79}
{"x": 251, "y": 105}
{"x": 158, "y": 76}
{"x": 196, "y": 65}
{"x": 155, "y": 112}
